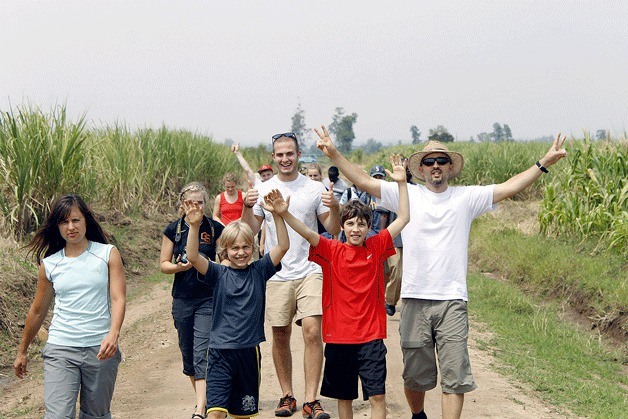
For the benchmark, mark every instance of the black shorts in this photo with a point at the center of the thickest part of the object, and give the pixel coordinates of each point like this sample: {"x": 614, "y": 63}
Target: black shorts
{"x": 233, "y": 378}
{"x": 344, "y": 363}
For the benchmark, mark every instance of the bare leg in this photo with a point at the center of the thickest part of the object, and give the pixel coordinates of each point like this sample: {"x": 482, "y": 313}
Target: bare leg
{"x": 416, "y": 399}
{"x": 378, "y": 406}
{"x": 216, "y": 415}
{"x": 345, "y": 409}
{"x": 201, "y": 395}
{"x": 312, "y": 356}
{"x": 452, "y": 405}
{"x": 282, "y": 358}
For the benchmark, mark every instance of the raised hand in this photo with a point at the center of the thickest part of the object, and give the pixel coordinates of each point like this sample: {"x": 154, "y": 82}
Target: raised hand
{"x": 328, "y": 197}
{"x": 193, "y": 213}
{"x": 556, "y": 151}
{"x": 399, "y": 171}
{"x": 251, "y": 196}
{"x": 235, "y": 148}
{"x": 324, "y": 142}
{"x": 274, "y": 202}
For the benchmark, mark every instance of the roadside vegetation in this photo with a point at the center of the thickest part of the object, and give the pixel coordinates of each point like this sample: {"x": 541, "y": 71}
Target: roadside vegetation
{"x": 553, "y": 295}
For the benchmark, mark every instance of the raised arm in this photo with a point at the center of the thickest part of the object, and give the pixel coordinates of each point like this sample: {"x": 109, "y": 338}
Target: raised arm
{"x": 235, "y": 149}
{"x": 117, "y": 292}
{"x": 34, "y": 319}
{"x": 275, "y": 199}
{"x": 403, "y": 212}
{"x": 248, "y": 216}
{"x": 194, "y": 217}
{"x": 271, "y": 203}
{"x": 522, "y": 180}
{"x": 354, "y": 173}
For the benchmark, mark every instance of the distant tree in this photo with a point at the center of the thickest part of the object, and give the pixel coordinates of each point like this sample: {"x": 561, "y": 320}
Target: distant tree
{"x": 372, "y": 146}
{"x": 416, "y": 134}
{"x": 299, "y": 127}
{"x": 601, "y": 134}
{"x": 441, "y": 134}
{"x": 228, "y": 142}
{"x": 507, "y": 133}
{"x": 342, "y": 128}
{"x": 498, "y": 133}
{"x": 484, "y": 136}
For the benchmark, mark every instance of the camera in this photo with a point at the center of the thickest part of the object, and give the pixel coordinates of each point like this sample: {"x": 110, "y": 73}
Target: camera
{"x": 183, "y": 258}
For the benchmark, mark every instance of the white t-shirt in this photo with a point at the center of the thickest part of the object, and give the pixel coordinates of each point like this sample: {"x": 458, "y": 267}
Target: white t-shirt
{"x": 81, "y": 316}
{"x": 306, "y": 205}
{"x": 436, "y": 240}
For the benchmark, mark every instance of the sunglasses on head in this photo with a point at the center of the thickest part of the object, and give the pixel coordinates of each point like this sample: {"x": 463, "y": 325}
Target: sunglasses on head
{"x": 285, "y": 134}
{"x": 429, "y": 161}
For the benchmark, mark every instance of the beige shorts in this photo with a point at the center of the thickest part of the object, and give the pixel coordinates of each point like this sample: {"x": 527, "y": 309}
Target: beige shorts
{"x": 297, "y": 299}
{"x": 429, "y": 328}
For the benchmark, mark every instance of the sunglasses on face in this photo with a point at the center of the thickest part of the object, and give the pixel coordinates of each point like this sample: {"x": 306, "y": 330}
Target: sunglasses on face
{"x": 285, "y": 134}
{"x": 429, "y": 161}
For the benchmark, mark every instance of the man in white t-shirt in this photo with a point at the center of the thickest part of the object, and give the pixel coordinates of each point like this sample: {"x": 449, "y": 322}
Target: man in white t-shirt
{"x": 295, "y": 291}
{"x": 434, "y": 320}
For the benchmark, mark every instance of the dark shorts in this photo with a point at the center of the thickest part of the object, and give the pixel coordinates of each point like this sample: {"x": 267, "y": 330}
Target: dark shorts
{"x": 193, "y": 321}
{"x": 344, "y": 363}
{"x": 233, "y": 378}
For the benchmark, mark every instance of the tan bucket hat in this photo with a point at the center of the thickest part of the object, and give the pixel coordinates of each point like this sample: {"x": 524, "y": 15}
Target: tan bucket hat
{"x": 414, "y": 162}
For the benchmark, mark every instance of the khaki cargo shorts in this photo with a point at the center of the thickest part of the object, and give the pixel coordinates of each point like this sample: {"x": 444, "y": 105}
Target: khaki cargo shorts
{"x": 296, "y": 299}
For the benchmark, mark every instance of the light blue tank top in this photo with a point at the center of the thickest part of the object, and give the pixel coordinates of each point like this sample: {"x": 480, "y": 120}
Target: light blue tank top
{"x": 82, "y": 315}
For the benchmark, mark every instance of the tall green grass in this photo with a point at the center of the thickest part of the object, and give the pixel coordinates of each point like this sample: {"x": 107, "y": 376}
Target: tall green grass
{"x": 44, "y": 155}
{"x": 40, "y": 155}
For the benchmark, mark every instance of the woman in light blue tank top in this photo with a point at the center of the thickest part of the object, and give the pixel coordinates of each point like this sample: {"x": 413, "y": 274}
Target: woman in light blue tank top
{"x": 85, "y": 277}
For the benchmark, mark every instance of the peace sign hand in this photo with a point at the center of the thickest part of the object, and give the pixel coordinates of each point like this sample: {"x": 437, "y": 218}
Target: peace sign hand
{"x": 324, "y": 142}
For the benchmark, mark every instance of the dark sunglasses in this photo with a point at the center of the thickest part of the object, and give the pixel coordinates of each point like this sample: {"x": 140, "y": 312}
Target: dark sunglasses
{"x": 285, "y": 134}
{"x": 429, "y": 161}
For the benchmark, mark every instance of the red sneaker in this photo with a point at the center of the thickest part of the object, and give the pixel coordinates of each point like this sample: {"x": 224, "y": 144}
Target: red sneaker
{"x": 286, "y": 407}
{"x": 314, "y": 410}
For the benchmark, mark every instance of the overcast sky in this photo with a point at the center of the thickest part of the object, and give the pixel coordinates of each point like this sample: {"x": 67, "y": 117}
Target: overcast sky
{"x": 238, "y": 69}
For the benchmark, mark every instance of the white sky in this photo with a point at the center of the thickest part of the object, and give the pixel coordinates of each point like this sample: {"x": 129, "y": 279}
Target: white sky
{"x": 238, "y": 69}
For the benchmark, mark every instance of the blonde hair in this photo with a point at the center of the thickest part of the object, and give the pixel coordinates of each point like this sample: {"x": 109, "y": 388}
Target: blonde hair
{"x": 230, "y": 234}
{"x": 191, "y": 188}
{"x": 230, "y": 177}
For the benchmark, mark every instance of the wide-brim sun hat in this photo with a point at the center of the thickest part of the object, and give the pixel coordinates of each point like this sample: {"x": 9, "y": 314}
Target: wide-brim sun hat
{"x": 414, "y": 162}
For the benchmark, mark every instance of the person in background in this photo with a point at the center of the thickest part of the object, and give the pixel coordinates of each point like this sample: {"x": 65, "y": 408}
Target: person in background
{"x": 353, "y": 272}
{"x": 191, "y": 300}
{"x": 333, "y": 176}
{"x": 265, "y": 172}
{"x": 434, "y": 320}
{"x": 237, "y": 327}
{"x": 84, "y": 275}
{"x": 294, "y": 293}
{"x": 228, "y": 204}
{"x": 315, "y": 172}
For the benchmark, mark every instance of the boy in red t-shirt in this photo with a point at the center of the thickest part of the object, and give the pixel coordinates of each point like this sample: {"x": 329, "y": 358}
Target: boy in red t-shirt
{"x": 354, "y": 313}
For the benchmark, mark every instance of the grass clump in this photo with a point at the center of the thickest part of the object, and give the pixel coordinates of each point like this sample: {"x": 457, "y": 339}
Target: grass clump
{"x": 564, "y": 366}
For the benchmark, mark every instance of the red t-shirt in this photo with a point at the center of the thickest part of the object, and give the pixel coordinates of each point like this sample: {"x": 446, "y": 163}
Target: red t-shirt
{"x": 231, "y": 212}
{"x": 353, "y": 288}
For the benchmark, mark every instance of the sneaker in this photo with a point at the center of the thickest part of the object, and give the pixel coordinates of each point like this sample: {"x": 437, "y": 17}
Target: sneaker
{"x": 286, "y": 407}
{"x": 390, "y": 309}
{"x": 314, "y": 410}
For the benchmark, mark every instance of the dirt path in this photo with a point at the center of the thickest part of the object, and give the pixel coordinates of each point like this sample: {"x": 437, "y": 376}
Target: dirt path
{"x": 150, "y": 382}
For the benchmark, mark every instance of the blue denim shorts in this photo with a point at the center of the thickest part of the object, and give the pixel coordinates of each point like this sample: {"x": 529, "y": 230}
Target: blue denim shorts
{"x": 193, "y": 321}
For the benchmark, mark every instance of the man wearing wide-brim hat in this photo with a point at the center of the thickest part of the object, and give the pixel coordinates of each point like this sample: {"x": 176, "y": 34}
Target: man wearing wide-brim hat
{"x": 434, "y": 320}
